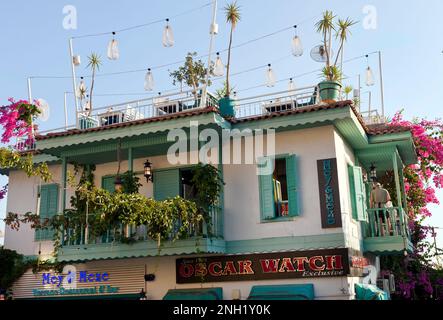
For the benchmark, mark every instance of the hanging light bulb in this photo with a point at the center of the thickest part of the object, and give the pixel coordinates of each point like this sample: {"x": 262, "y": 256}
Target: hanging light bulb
{"x": 219, "y": 68}
{"x": 291, "y": 85}
{"x": 113, "y": 53}
{"x": 168, "y": 35}
{"x": 149, "y": 81}
{"x": 369, "y": 74}
{"x": 297, "y": 47}
{"x": 270, "y": 77}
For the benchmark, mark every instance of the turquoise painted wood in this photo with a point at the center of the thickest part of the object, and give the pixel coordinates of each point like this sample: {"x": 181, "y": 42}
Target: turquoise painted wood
{"x": 108, "y": 183}
{"x": 283, "y": 292}
{"x": 49, "y": 195}
{"x": 291, "y": 176}
{"x": 266, "y": 188}
{"x": 357, "y": 193}
{"x": 166, "y": 184}
{"x": 147, "y": 248}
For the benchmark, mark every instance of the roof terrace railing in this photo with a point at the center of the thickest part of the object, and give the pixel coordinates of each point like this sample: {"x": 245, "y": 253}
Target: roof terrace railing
{"x": 277, "y": 102}
{"x": 183, "y": 101}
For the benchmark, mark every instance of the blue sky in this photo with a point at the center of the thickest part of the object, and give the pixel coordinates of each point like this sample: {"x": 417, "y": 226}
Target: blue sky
{"x": 34, "y": 42}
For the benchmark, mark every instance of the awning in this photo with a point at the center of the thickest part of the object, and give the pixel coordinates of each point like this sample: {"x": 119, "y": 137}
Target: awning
{"x": 283, "y": 292}
{"x": 369, "y": 292}
{"x": 194, "y": 294}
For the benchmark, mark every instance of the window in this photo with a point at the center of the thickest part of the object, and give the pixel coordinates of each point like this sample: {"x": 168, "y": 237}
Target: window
{"x": 357, "y": 189}
{"x": 278, "y": 191}
{"x": 187, "y": 190}
{"x": 48, "y": 209}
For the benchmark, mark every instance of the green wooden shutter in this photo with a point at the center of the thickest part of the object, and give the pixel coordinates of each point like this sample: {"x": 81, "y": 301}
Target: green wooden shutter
{"x": 166, "y": 184}
{"x": 48, "y": 208}
{"x": 108, "y": 183}
{"x": 291, "y": 177}
{"x": 266, "y": 189}
{"x": 357, "y": 193}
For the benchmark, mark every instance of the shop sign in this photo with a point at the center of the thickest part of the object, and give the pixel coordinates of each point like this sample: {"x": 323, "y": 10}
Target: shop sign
{"x": 329, "y": 193}
{"x": 66, "y": 283}
{"x": 359, "y": 262}
{"x": 281, "y": 265}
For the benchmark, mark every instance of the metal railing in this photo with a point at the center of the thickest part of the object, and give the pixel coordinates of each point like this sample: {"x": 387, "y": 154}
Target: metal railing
{"x": 124, "y": 233}
{"x": 386, "y": 222}
{"x": 143, "y": 109}
{"x": 373, "y": 117}
{"x": 277, "y": 102}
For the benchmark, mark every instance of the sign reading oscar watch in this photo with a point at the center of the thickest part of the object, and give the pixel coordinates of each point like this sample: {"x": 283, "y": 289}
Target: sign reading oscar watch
{"x": 281, "y": 265}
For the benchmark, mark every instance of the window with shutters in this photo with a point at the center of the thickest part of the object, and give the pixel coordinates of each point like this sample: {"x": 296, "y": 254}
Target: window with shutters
{"x": 49, "y": 194}
{"x": 108, "y": 183}
{"x": 358, "y": 196}
{"x": 278, "y": 190}
{"x": 174, "y": 182}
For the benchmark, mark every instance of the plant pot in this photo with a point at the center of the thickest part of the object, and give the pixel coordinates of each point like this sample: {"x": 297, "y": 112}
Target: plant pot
{"x": 227, "y": 107}
{"x": 329, "y": 91}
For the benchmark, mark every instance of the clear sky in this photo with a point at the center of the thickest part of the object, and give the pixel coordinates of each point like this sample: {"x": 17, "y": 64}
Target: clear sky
{"x": 34, "y": 42}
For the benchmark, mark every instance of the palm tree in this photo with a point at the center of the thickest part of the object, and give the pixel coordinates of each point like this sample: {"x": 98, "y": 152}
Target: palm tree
{"x": 94, "y": 63}
{"x": 232, "y": 13}
{"x": 325, "y": 27}
{"x": 342, "y": 33}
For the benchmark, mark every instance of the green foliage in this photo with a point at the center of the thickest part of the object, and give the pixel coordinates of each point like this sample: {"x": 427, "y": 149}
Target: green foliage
{"x": 208, "y": 184}
{"x": 131, "y": 183}
{"x": 331, "y": 73}
{"x": 232, "y": 14}
{"x": 10, "y": 159}
{"x": 12, "y": 267}
{"x": 192, "y": 73}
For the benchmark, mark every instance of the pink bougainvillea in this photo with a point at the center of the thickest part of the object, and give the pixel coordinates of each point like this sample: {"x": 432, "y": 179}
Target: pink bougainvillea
{"x": 17, "y": 119}
{"x": 421, "y": 181}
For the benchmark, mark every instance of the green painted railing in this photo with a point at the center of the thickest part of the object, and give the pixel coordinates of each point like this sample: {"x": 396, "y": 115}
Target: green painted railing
{"x": 386, "y": 222}
{"x": 79, "y": 235}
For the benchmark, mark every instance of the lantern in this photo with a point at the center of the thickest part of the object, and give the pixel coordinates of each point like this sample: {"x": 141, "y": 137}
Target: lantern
{"x": 148, "y": 171}
{"x": 270, "y": 77}
{"x": 297, "y": 47}
{"x": 149, "y": 81}
{"x": 113, "y": 53}
{"x": 373, "y": 172}
{"x": 118, "y": 183}
{"x": 219, "y": 68}
{"x": 168, "y": 35}
{"x": 291, "y": 85}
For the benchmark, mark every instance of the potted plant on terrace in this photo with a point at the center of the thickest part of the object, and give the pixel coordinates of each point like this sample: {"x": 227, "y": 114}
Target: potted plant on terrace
{"x": 226, "y": 104}
{"x": 331, "y": 86}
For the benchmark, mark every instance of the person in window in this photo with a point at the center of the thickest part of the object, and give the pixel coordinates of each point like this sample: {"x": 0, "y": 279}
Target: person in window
{"x": 379, "y": 198}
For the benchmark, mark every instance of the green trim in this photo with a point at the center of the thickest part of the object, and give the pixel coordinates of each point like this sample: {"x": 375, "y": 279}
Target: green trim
{"x": 321, "y": 241}
{"x": 49, "y": 201}
{"x": 278, "y": 219}
{"x": 130, "y": 159}
{"x": 194, "y": 294}
{"x": 282, "y": 292}
{"x": 387, "y": 245}
{"x": 140, "y": 249}
{"x": 124, "y": 132}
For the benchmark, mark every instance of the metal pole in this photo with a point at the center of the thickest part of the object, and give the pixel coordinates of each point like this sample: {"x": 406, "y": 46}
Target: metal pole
{"x": 74, "y": 80}
{"x": 66, "y": 111}
{"x": 370, "y": 100}
{"x": 359, "y": 93}
{"x": 29, "y": 90}
{"x": 380, "y": 68}
{"x": 211, "y": 44}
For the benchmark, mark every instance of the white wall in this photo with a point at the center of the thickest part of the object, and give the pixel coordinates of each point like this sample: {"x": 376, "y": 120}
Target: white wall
{"x": 351, "y": 227}
{"x": 242, "y": 206}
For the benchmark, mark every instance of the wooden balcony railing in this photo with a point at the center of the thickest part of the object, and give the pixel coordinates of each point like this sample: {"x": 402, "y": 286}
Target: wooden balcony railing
{"x": 386, "y": 222}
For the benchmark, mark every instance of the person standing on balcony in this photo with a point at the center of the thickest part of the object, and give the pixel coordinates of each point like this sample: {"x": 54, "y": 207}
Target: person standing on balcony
{"x": 379, "y": 197}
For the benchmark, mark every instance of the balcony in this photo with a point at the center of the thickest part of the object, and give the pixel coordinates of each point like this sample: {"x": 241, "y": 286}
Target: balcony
{"x": 387, "y": 231}
{"x": 127, "y": 241}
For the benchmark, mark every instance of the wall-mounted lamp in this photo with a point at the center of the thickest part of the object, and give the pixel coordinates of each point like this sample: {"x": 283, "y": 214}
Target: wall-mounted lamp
{"x": 373, "y": 173}
{"x": 148, "y": 171}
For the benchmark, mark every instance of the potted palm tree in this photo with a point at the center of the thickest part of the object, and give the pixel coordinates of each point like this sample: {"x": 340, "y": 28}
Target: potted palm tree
{"x": 331, "y": 86}
{"x": 226, "y": 104}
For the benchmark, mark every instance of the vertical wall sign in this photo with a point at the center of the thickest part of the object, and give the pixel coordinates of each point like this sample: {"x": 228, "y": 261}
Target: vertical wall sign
{"x": 329, "y": 193}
